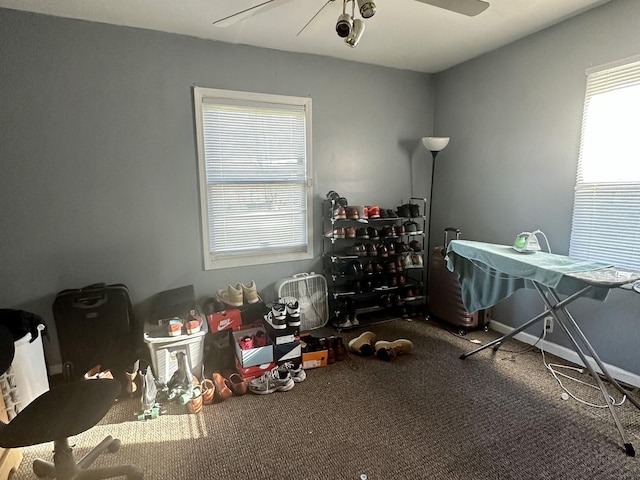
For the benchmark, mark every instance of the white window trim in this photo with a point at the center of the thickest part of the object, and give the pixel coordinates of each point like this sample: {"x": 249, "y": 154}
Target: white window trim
{"x": 603, "y": 206}
{"x": 211, "y": 262}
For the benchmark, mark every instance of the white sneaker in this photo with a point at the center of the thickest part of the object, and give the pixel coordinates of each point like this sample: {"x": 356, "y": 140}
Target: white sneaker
{"x": 297, "y": 373}
{"x": 344, "y": 322}
{"x": 277, "y": 380}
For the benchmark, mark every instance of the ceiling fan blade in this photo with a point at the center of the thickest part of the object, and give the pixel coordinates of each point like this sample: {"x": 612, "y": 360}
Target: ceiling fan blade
{"x": 249, "y": 12}
{"x": 313, "y": 18}
{"x": 471, "y": 8}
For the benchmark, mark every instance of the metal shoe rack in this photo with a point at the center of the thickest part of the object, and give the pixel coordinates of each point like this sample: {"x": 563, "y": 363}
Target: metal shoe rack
{"x": 362, "y": 283}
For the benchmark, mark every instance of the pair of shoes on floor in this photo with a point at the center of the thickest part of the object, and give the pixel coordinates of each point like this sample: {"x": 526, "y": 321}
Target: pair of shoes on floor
{"x": 239, "y": 295}
{"x": 279, "y": 379}
{"x": 226, "y": 387}
{"x": 367, "y": 344}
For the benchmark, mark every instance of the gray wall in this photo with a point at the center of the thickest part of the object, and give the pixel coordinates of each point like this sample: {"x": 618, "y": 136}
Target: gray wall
{"x": 99, "y": 179}
{"x": 514, "y": 116}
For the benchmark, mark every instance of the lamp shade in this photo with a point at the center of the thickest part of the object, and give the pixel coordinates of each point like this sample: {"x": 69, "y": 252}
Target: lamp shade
{"x": 435, "y": 144}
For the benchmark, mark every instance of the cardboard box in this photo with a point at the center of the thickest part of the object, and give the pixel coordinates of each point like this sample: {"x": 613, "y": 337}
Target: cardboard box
{"x": 249, "y": 373}
{"x": 287, "y": 352}
{"x": 252, "y": 356}
{"x": 281, "y": 336}
{"x": 314, "y": 359}
{"x": 230, "y": 319}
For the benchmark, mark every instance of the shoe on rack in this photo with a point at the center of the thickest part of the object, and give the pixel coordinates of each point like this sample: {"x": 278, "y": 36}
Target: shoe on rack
{"x": 352, "y": 213}
{"x": 389, "y": 350}
{"x": 340, "y": 213}
{"x": 250, "y": 292}
{"x": 374, "y": 211}
{"x": 414, "y": 209}
{"x": 416, "y": 259}
{"x": 412, "y": 228}
{"x": 363, "y": 344}
{"x": 373, "y": 233}
{"x": 231, "y": 296}
{"x": 415, "y": 245}
{"x": 362, "y": 233}
{"x": 403, "y": 211}
{"x": 278, "y": 323}
{"x": 350, "y": 232}
{"x": 276, "y": 380}
{"x": 296, "y": 371}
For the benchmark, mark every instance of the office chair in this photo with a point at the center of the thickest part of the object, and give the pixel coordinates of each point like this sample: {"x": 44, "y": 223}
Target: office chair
{"x": 60, "y": 413}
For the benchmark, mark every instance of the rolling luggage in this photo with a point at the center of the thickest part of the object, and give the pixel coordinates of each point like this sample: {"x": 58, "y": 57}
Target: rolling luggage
{"x": 445, "y": 301}
{"x": 95, "y": 326}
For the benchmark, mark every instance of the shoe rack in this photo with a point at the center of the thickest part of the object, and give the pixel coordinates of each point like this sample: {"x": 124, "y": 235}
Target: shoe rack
{"x": 374, "y": 266}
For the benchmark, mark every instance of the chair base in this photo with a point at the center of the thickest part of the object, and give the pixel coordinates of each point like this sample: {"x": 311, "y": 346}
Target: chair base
{"x": 64, "y": 466}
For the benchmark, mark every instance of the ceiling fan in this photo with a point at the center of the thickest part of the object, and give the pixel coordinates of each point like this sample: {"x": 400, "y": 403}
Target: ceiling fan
{"x": 347, "y": 26}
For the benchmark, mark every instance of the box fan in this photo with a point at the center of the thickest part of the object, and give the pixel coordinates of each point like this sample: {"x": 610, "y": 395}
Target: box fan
{"x": 310, "y": 290}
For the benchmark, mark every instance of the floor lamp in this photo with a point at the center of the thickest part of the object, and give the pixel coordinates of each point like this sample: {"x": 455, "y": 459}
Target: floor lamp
{"x": 435, "y": 145}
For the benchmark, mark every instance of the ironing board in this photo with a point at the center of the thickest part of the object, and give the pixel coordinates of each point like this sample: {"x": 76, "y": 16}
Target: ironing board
{"x": 489, "y": 273}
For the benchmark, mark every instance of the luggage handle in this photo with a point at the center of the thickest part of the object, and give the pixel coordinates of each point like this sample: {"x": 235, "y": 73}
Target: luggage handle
{"x": 447, "y": 230}
{"x": 90, "y": 300}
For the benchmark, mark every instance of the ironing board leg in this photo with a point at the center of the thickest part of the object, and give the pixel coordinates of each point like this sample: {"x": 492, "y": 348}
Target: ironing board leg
{"x": 628, "y": 446}
{"x": 498, "y": 341}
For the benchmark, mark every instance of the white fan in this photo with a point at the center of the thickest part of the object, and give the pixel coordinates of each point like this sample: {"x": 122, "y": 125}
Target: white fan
{"x": 470, "y": 8}
{"x": 311, "y": 293}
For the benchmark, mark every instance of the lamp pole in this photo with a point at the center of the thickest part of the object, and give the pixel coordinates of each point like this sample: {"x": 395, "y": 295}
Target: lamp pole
{"x": 435, "y": 145}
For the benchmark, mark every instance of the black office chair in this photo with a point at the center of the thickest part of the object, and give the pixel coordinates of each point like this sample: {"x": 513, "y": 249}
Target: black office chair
{"x": 60, "y": 413}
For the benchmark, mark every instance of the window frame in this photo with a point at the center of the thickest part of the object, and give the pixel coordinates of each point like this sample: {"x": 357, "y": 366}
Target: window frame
{"x": 605, "y": 223}
{"x": 211, "y": 261}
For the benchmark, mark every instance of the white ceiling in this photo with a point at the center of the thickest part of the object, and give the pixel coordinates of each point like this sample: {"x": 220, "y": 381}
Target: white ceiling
{"x": 403, "y": 34}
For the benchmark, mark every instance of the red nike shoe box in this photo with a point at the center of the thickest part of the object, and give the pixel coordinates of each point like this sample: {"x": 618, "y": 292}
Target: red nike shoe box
{"x": 256, "y": 371}
{"x": 231, "y": 319}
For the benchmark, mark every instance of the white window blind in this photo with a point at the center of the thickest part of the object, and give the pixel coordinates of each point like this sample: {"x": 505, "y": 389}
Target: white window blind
{"x": 606, "y": 211}
{"x": 254, "y": 156}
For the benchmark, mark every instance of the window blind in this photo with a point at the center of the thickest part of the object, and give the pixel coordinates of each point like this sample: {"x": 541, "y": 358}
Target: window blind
{"x": 255, "y": 167}
{"x": 606, "y": 211}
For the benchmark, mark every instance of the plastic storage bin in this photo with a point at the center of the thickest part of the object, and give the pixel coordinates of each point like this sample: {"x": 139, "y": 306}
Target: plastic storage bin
{"x": 163, "y": 350}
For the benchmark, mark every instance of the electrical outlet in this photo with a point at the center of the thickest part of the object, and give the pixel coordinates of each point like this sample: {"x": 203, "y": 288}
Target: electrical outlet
{"x": 548, "y": 324}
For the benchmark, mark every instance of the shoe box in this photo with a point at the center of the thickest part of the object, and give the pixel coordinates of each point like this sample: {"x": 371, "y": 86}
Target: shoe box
{"x": 230, "y": 319}
{"x": 252, "y": 312}
{"x": 281, "y": 336}
{"x": 287, "y": 352}
{"x": 312, "y": 355}
{"x": 255, "y": 371}
{"x": 251, "y": 356}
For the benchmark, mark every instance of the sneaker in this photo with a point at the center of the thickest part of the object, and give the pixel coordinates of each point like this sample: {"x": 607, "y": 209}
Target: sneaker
{"x": 260, "y": 339}
{"x": 279, "y": 310}
{"x": 344, "y": 321}
{"x": 412, "y": 228}
{"x": 389, "y": 350}
{"x": 250, "y": 292}
{"x": 374, "y": 211}
{"x": 277, "y": 380}
{"x": 297, "y": 373}
{"x": 362, "y": 233}
{"x": 415, "y": 245}
{"x": 277, "y": 323}
{"x": 350, "y": 232}
{"x": 373, "y": 233}
{"x": 352, "y": 213}
{"x": 340, "y": 213}
{"x": 231, "y": 296}
{"x": 416, "y": 258}
{"x": 293, "y": 309}
{"x": 391, "y": 213}
{"x": 403, "y": 211}
{"x": 414, "y": 210}
{"x": 246, "y": 343}
{"x": 363, "y": 344}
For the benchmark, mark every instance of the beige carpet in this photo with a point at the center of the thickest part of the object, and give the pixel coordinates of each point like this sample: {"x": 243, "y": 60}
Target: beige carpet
{"x": 425, "y": 415}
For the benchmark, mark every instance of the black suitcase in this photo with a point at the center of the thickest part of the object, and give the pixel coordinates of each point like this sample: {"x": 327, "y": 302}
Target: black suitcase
{"x": 445, "y": 301}
{"x": 95, "y": 326}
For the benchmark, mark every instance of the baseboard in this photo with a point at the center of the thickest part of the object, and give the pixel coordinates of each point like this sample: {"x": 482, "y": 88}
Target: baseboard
{"x": 568, "y": 354}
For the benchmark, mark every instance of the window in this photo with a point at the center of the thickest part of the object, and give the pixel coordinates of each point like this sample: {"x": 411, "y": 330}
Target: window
{"x": 606, "y": 211}
{"x": 254, "y": 157}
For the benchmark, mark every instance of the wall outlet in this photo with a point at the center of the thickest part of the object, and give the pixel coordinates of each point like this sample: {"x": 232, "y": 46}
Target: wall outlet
{"x": 548, "y": 324}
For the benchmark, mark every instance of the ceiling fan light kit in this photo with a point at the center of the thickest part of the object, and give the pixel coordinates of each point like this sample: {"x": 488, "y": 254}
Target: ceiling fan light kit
{"x": 347, "y": 26}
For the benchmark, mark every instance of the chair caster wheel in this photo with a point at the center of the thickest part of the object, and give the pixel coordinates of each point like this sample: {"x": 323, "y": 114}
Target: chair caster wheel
{"x": 114, "y": 446}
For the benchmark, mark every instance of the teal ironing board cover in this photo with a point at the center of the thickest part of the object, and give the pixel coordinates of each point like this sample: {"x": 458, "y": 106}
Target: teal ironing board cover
{"x": 489, "y": 273}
